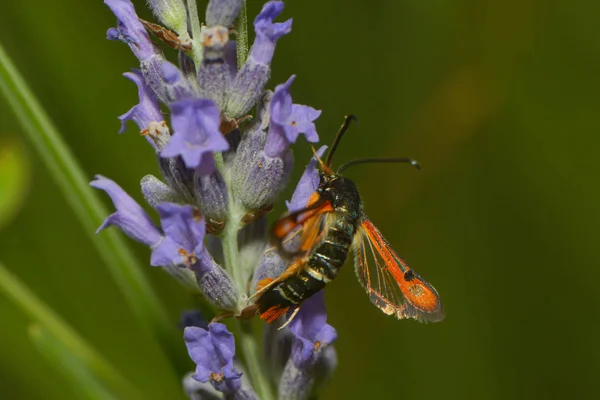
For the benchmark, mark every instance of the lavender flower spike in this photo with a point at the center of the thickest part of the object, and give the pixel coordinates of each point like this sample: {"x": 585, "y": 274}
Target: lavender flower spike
{"x": 252, "y": 77}
{"x": 288, "y": 121}
{"x": 130, "y": 217}
{"x": 212, "y": 350}
{"x": 130, "y": 30}
{"x": 196, "y": 134}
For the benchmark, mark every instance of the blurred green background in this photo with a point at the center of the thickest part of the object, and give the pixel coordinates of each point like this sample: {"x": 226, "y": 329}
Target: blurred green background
{"x": 498, "y": 100}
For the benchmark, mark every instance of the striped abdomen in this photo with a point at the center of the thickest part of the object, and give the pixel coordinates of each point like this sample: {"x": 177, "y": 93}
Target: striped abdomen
{"x": 321, "y": 267}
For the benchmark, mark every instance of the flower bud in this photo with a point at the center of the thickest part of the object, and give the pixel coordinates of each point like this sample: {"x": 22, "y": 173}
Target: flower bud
{"x": 254, "y": 74}
{"x": 258, "y": 178}
{"x": 211, "y": 194}
{"x": 222, "y": 12}
{"x": 215, "y": 283}
{"x": 214, "y": 75}
{"x": 156, "y": 192}
{"x": 178, "y": 177}
{"x": 172, "y": 13}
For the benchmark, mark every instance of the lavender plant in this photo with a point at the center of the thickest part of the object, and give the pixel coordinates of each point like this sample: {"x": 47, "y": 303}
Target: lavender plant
{"x": 225, "y": 156}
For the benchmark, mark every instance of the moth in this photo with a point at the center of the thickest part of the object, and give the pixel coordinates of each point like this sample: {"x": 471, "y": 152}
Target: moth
{"x": 332, "y": 224}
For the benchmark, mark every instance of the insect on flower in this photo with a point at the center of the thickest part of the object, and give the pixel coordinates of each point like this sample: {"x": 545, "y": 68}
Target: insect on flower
{"x": 332, "y": 222}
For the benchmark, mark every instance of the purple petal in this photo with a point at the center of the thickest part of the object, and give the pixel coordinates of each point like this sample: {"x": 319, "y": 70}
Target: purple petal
{"x": 196, "y": 125}
{"x": 288, "y": 121}
{"x": 268, "y": 32}
{"x": 129, "y": 29}
{"x": 307, "y": 185}
{"x": 166, "y": 253}
{"x": 148, "y": 109}
{"x": 201, "y": 352}
{"x": 129, "y": 216}
{"x": 213, "y": 352}
{"x": 311, "y": 331}
{"x": 183, "y": 225}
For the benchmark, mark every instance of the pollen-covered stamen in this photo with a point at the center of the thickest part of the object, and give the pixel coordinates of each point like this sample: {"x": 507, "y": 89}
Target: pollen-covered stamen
{"x": 215, "y": 37}
{"x": 216, "y": 377}
{"x": 189, "y": 259}
{"x": 158, "y": 132}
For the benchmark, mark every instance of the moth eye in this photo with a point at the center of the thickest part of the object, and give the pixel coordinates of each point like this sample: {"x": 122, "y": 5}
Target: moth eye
{"x": 409, "y": 276}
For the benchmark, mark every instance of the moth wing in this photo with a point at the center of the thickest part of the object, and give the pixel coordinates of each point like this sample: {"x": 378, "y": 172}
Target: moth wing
{"x": 298, "y": 232}
{"x": 392, "y": 286}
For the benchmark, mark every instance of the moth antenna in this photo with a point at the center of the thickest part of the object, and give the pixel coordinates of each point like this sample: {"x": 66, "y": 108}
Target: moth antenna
{"x": 410, "y": 161}
{"x": 338, "y": 137}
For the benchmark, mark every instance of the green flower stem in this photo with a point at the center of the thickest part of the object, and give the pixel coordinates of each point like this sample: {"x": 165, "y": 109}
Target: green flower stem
{"x": 64, "y": 335}
{"x": 241, "y": 41}
{"x": 68, "y": 174}
{"x": 244, "y": 332}
{"x": 254, "y": 364}
{"x": 197, "y": 48}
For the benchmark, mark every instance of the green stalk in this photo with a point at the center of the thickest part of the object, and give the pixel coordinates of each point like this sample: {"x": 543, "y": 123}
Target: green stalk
{"x": 64, "y": 336}
{"x": 246, "y": 338}
{"x": 241, "y": 38}
{"x": 197, "y": 50}
{"x": 74, "y": 184}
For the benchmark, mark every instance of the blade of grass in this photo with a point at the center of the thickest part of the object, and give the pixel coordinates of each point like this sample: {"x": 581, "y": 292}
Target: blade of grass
{"x": 64, "y": 168}
{"x": 70, "y": 364}
{"x": 64, "y": 335}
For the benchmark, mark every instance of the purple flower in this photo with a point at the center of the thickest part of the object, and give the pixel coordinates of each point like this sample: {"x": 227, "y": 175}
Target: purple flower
{"x": 212, "y": 350}
{"x": 147, "y": 113}
{"x": 288, "y": 121}
{"x": 312, "y": 359}
{"x": 311, "y": 332}
{"x": 184, "y": 228}
{"x": 307, "y": 185}
{"x": 268, "y": 32}
{"x": 196, "y": 133}
{"x": 129, "y": 216}
{"x": 254, "y": 74}
{"x": 130, "y": 30}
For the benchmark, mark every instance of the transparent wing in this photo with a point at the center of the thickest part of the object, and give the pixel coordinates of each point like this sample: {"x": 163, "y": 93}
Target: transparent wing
{"x": 394, "y": 287}
{"x": 300, "y": 231}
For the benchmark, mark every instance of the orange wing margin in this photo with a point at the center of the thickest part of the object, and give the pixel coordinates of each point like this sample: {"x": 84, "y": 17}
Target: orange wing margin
{"x": 391, "y": 284}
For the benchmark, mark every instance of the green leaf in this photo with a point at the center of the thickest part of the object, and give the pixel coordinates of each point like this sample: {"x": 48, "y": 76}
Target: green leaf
{"x": 73, "y": 182}
{"x": 59, "y": 341}
{"x": 15, "y": 173}
{"x": 70, "y": 364}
